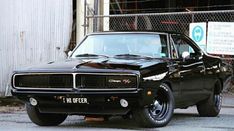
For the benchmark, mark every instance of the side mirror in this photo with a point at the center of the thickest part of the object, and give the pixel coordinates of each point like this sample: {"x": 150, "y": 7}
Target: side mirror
{"x": 185, "y": 55}
{"x": 69, "y": 53}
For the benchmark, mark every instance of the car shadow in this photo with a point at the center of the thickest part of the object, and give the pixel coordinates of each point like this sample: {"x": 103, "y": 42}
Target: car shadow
{"x": 114, "y": 122}
{"x": 120, "y": 123}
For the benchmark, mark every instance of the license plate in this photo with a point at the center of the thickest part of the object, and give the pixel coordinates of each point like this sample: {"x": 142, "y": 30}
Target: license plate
{"x": 74, "y": 100}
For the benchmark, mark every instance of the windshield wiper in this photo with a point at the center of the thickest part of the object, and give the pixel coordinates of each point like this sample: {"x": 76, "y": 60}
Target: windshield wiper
{"x": 90, "y": 55}
{"x": 133, "y": 55}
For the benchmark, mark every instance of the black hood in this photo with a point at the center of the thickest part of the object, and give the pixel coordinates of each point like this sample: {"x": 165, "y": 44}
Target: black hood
{"x": 99, "y": 64}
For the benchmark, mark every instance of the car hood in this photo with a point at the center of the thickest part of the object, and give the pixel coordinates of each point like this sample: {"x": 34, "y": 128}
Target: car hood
{"x": 101, "y": 65}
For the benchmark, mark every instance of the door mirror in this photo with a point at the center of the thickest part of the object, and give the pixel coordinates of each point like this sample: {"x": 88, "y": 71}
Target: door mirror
{"x": 69, "y": 53}
{"x": 185, "y": 55}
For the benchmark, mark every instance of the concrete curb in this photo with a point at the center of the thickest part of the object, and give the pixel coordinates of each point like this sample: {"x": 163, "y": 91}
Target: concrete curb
{"x": 227, "y": 106}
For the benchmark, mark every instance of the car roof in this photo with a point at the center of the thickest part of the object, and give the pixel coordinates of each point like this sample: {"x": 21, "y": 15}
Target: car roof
{"x": 135, "y": 31}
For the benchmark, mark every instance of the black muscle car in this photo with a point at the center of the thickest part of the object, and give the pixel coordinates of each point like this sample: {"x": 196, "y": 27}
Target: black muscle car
{"x": 143, "y": 74}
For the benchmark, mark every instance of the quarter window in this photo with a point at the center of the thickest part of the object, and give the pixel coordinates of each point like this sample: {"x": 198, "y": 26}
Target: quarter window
{"x": 183, "y": 45}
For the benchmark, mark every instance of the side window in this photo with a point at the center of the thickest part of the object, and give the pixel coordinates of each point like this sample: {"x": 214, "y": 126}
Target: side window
{"x": 182, "y": 45}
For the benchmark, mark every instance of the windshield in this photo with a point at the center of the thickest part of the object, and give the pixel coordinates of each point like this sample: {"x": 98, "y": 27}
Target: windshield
{"x": 150, "y": 45}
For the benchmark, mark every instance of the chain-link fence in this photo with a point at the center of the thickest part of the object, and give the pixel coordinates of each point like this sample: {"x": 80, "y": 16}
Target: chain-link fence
{"x": 174, "y": 21}
{"x": 178, "y": 21}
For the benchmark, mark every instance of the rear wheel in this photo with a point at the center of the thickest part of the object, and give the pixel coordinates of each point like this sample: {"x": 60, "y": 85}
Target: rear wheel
{"x": 211, "y": 106}
{"x": 44, "y": 119}
{"x": 160, "y": 112}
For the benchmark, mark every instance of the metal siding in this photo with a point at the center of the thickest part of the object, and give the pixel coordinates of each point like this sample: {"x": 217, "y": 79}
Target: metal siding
{"x": 32, "y": 32}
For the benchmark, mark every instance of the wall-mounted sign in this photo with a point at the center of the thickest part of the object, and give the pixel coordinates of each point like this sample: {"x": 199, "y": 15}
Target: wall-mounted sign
{"x": 220, "y": 39}
{"x": 197, "y": 32}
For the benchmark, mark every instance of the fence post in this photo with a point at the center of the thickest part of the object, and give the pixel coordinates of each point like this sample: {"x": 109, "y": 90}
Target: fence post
{"x": 95, "y": 19}
{"x": 192, "y": 17}
{"x": 85, "y": 4}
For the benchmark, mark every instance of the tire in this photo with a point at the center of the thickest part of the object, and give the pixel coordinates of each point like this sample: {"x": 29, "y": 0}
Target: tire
{"x": 44, "y": 119}
{"x": 160, "y": 112}
{"x": 211, "y": 106}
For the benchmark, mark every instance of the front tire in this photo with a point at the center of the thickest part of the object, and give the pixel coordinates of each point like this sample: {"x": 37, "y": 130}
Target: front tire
{"x": 160, "y": 112}
{"x": 44, "y": 119}
{"x": 211, "y": 106}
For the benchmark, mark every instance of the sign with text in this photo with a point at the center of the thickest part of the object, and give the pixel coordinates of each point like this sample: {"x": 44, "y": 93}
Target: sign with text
{"x": 220, "y": 39}
{"x": 197, "y": 32}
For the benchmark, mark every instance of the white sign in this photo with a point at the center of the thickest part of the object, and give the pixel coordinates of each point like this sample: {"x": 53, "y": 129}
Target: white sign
{"x": 197, "y": 32}
{"x": 220, "y": 39}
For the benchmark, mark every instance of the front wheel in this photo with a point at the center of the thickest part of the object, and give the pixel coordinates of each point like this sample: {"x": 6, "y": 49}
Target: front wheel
{"x": 44, "y": 119}
{"x": 160, "y": 112}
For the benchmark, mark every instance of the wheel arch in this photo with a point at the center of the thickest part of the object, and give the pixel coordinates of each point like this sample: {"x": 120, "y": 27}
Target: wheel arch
{"x": 169, "y": 84}
{"x": 218, "y": 86}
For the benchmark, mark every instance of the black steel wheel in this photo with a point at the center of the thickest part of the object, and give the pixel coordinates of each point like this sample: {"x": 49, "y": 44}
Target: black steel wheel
{"x": 160, "y": 112}
{"x": 160, "y": 107}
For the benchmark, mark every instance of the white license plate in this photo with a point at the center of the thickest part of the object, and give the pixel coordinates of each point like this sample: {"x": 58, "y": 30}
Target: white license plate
{"x": 74, "y": 100}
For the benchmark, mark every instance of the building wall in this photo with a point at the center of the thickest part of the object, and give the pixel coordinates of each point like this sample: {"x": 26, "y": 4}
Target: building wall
{"x": 103, "y": 9}
{"x": 32, "y": 32}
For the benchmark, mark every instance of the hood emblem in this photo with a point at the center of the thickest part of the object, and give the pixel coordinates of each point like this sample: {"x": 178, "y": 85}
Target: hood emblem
{"x": 125, "y": 81}
{"x": 114, "y": 81}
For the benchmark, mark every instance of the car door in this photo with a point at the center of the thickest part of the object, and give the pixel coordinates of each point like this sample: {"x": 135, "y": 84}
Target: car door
{"x": 191, "y": 69}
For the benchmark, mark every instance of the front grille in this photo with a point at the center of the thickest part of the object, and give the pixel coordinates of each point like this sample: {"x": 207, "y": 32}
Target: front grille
{"x": 82, "y": 81}
{"x": 44, "y": 81}
{"x": 90, "y": 81}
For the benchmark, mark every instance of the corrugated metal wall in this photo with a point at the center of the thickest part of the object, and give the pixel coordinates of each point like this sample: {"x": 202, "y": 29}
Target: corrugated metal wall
{"x": 32, "y": 32}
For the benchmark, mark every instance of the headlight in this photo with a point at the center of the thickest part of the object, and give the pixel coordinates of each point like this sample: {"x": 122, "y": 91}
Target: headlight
{"x": 156, "y": 77}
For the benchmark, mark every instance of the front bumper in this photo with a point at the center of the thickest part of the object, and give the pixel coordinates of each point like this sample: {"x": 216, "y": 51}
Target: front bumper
{"x": 99, "y": 102}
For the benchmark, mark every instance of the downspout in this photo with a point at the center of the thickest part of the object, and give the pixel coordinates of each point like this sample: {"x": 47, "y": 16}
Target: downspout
{"x": 85, "y": 23}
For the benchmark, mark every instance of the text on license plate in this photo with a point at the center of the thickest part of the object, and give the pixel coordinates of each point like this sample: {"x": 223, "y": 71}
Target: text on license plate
{"x": 69, "y": 100}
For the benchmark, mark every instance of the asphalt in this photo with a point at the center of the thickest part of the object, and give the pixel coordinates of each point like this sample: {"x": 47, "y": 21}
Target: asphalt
{"x": 182, "y": 120}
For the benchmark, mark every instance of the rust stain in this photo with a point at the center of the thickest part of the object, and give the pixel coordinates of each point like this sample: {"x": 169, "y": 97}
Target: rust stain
{"x": 22, "y": 37}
